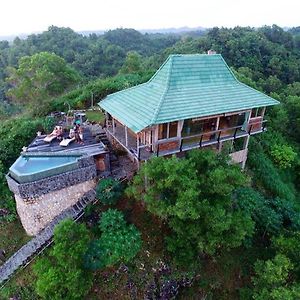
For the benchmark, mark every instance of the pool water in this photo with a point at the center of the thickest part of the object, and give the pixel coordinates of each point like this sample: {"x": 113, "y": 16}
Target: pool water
{"x": 36, "y": 164}
{"x": 31, "y": 168}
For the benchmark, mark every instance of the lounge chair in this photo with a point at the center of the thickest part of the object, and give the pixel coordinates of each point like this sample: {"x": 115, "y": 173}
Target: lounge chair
{"x": 54, "y": 134}
{"x": 66, "y": 142}
{"x": 69, "y": 139}
{"x": 49, "y": 138}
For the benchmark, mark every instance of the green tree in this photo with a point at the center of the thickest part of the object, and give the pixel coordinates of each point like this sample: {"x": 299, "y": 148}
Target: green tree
{"x": 109, "y": 191}
{"x": 272, "y": 280}
{"x": 283, "y": 155}
{"x": 61, "y": 274}
{"x": 195, "y": 195}
{"x": 132, "y": 64}
{"x": 40, "y": 77}
{"x": 119, "y": 242}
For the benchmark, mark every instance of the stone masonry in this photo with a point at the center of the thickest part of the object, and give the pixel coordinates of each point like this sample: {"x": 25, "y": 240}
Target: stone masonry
{"x": 39, "y": 202}
{"x": 36, "y": 213}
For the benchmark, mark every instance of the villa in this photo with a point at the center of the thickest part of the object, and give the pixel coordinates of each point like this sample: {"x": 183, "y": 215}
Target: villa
{"x": 192, "y": 101}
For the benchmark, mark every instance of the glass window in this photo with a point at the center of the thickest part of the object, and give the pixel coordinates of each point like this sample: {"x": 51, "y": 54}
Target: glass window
{"x": 194, "y": 126}
{"x": 163, "y": 131}
{"x": 173, "y": 129}
{"x": 257, "y": 112}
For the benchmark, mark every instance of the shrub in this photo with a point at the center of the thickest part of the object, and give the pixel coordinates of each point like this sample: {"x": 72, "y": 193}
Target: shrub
{"x": 283, "y": 155}
{"x": 109, "y": 191}
{"x": 119, "y": 242}
{"x": 61, "y": 274}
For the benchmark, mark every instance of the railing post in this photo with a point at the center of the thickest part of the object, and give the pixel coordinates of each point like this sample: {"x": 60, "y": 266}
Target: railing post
{"x": 234, "y": 136}
{"x": 263, "y": 126}
{"x": 157, "y": 150}
{"x": 219, "y": 136}
{"x": 249, "y": 132}
{"x": 138, "y": 153}
{"x": 181, "y": 142}
{"x": 200, "y": 143}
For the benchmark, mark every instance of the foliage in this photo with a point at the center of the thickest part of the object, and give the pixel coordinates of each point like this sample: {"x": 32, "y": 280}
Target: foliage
{"x": 195, "y": 196}
{"x": 109, "y": 191}
{"x": 272, "y": 279}
{"x": 40, "y": 77}
{"x": 61, "y": 275}
{"x": 48, "y": 124}
{"x": 267, "y": 175}
{"x": 100, "y": 88}
{"x": 132, "y": 64}
{"x": 95, "y": 116}
{"x": 16, "y": 133}
{"x": 118, "y": 243}
{"x": 271, "y": 216}
{"x": 283, "y": 155}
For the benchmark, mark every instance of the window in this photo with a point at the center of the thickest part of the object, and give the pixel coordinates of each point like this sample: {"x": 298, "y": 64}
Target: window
{"x": 257, "y": 112}
{"x": 194, "y": 126}
{"x": 167, "y": 130}
{"x": 173, "y": 129}
{"x": 163, "y": 131}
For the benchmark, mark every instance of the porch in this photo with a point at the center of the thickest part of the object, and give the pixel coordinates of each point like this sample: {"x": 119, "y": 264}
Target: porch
{"x": 141, "y": 148}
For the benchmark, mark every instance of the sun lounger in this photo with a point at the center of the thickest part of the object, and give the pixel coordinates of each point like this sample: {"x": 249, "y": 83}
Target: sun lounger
{"x": 49, "y": 138}
{"x": 66, "y": 142}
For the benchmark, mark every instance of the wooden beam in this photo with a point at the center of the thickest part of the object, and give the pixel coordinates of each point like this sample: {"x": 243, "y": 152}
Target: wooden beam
{"x": 138, "y": 145}
{"x": 217, "y": 123}
{"x": 126, "y": 136}
{"x": 113, "y": 126}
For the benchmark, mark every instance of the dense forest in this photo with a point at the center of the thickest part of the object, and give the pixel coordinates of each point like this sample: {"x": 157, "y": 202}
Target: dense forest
{"x": 241, "y": 242}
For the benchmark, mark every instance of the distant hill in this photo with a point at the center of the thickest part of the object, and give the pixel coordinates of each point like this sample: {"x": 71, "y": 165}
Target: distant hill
{"x": 178, "y": 31}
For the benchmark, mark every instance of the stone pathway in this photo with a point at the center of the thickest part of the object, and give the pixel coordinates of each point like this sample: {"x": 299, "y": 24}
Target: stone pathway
{"x": 43, "y": 239}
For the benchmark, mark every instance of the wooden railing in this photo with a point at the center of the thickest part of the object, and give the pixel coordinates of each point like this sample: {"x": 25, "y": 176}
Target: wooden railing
{"x": 200, "y": 140}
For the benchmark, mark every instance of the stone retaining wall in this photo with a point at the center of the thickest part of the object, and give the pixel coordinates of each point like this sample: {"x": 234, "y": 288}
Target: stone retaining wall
{"x": 46, "y": 185}
{"x": 36, "y": 213}
{"x": 40, "y": 201}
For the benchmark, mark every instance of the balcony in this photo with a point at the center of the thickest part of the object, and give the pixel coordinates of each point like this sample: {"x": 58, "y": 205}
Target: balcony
{"x": 142, "y": 152}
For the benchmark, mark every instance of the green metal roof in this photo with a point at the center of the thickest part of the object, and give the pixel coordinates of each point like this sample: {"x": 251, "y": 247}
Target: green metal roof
{"x": 185, "y": 86}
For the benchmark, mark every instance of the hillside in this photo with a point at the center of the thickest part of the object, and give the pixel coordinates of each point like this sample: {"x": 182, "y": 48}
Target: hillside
{"x": 241, "y": 242}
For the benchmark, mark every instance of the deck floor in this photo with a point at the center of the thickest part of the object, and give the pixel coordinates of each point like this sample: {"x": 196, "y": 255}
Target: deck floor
{"x": 38, "y": 144}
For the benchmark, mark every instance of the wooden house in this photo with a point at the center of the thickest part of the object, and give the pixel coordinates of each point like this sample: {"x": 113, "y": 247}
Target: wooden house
{"x": 192, "y": 101}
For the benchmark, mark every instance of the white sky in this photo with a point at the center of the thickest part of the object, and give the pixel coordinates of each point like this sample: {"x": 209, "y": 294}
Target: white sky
{"x": 26, "y": 16}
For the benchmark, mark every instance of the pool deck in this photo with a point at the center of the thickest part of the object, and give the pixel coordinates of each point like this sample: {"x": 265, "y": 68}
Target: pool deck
{"x": 91, "y": 146}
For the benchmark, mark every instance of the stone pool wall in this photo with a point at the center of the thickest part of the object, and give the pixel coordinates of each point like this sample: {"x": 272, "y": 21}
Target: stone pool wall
{"x": 39, "y": 202}
{"x": 36, "y": 213}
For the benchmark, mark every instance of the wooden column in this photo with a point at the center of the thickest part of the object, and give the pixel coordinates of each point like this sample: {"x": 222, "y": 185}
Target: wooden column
{"x": 217, "y": 123}
{"x": 106, "y": 119}
{"x": 113, "y": 126}
{"x": 138, "y": 145}
{"x": 126, "y": 136}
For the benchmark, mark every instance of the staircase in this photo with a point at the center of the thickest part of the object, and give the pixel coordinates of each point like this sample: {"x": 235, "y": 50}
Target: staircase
{"x": 43, "y": 239}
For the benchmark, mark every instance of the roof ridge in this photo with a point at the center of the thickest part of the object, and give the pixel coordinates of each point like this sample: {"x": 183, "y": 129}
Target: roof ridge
{"x": 170, "y": 58}
{"x": 225, "y": 63}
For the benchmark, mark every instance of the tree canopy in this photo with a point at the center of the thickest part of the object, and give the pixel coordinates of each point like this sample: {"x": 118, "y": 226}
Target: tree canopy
{"x": 40, "y": 77}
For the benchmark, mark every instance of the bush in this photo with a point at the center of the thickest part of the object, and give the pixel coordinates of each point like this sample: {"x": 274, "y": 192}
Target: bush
{"x": 109, "y": 191}
{"x": 283, "y": 155}
{"x": 119, "y": 242}
{"x": 48, "y": 124}
{"x": 61, "y": 274}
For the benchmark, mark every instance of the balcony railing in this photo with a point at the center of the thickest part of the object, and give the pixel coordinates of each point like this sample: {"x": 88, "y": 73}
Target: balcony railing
{"x": 179, "y": 144}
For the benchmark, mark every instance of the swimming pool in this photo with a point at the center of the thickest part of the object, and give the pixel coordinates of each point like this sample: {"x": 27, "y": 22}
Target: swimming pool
{"x": 28, "y": 168}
